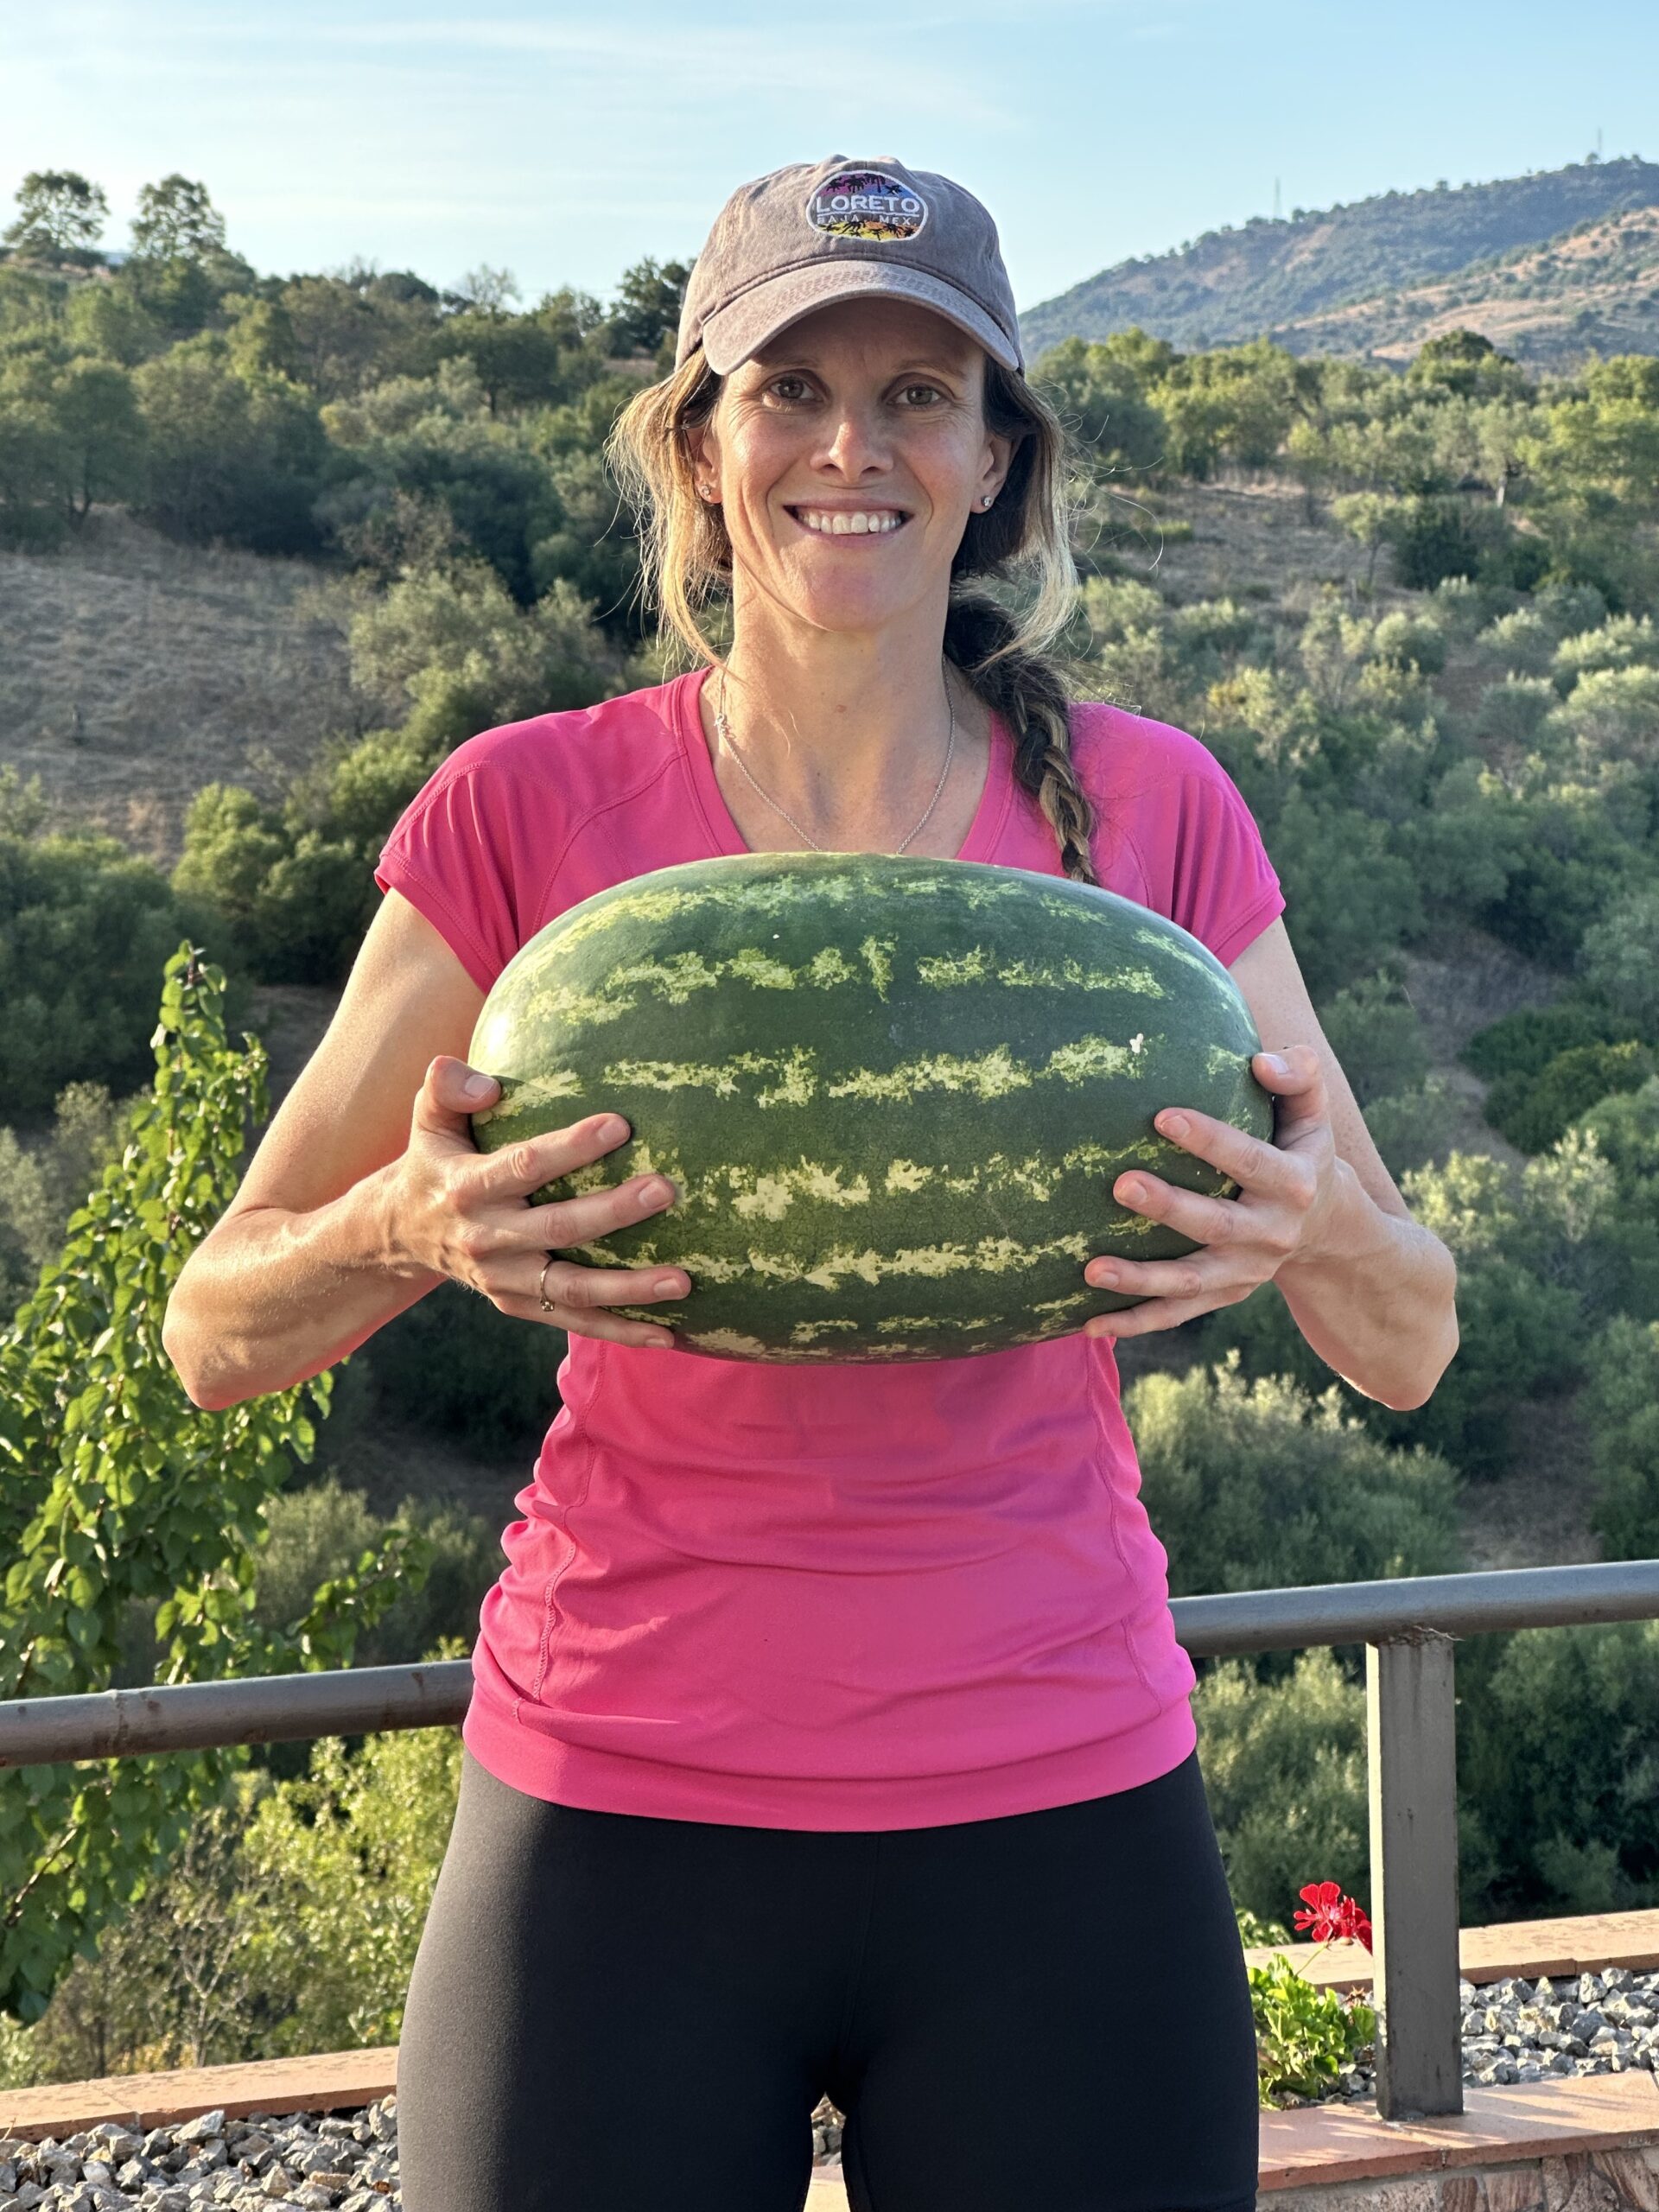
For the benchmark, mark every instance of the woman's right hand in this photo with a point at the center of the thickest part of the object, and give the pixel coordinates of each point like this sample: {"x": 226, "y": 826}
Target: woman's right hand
{"x": 458, "y": 1212}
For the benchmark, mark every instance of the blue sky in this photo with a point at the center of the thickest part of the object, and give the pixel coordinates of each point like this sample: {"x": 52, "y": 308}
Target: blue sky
{"x": 562, "y": 141}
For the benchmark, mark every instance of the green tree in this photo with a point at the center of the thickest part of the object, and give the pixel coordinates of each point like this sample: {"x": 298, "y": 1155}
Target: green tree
{"x": 1618, "y": 960}
{"x": 240, "y": 458}
{"x": 83, "y": 927}
{"x": 60, "y": 217}
{"x": 1533, "y": 1111}
{"x": 43, "y": 1182}
{"x": 101, "y": 435}
{"x": 1101, "y": 398}
{"x": 1558, "y": 1746}
{"x": 647, "y": 306}
{"x": 119, "y": 1490}
{"x": 176, "y": 220}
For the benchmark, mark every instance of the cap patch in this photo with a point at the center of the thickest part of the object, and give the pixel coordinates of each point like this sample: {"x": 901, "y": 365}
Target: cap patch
{"x": 867, "y": 204}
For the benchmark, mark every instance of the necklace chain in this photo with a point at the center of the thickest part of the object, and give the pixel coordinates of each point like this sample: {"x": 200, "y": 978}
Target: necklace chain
{"x": 724, "y": 730}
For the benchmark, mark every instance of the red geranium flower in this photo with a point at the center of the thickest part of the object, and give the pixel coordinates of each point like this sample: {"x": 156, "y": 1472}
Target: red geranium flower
{"x": 1328, "y": 1914}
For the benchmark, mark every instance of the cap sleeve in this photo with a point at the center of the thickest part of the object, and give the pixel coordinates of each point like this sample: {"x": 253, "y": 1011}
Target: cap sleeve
{"x": 1223, "y": 886}
{"x": 451, "y": 854}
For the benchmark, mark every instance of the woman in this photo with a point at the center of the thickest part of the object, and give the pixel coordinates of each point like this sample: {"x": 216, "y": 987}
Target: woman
{"x": 829, "y": 1732}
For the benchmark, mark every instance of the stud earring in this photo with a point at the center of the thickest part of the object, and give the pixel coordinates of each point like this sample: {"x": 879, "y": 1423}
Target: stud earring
{"x": 986, "y": 501}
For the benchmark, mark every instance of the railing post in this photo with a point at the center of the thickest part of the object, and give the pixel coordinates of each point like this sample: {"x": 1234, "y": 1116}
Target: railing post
{"x": 1411, "y": 1738}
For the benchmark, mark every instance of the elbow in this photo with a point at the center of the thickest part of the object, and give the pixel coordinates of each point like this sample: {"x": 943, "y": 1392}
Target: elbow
{"x": 1409, "y": 1402}
{"x": 206, "y": 1389}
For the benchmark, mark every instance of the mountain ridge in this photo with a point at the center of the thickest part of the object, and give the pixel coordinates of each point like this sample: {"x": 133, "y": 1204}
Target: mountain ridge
{"x": 1279, "y": 277}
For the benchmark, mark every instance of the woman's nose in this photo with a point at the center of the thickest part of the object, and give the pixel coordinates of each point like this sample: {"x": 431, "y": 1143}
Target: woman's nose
{"x": 854, "y": 443}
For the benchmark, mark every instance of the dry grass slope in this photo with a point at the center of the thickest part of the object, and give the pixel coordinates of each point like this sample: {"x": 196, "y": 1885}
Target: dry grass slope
{"x": 134, "y": 671}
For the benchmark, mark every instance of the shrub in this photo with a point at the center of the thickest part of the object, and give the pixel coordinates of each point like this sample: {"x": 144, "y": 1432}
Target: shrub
{"x": 1353, "y": 898}
{"x": 229, "y": 456}
{"x": 1512, "y": 712}
{"x": 1372, "y": 1027}
{"x": 1285, "y": 1776}
{"x": 1623, "y": 1407}
{"x": 1525, "y": 1042}
{"x": 1618, "y": 960}
{"x": 1413, "y": 1128}
{"x": 1534, "y": 1110}
{"x": 85, "y": 930}
{"x": 1559, "y": 1746}
{"x": 1251, "y": 1484}
{"x": 1523, "y": 640}
{"x": 43, "y": 1184}
{"x": 324, "y": 1528}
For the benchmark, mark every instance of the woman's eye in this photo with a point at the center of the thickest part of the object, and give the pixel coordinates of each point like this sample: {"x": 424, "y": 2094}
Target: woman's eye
{"x": 927, "y": 391}
{"x": 789, "y": 388}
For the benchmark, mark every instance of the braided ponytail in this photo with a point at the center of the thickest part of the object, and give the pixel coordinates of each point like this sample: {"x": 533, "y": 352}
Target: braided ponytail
{"x": 1006, "y": 658}
{"x": 1028, "y": 690}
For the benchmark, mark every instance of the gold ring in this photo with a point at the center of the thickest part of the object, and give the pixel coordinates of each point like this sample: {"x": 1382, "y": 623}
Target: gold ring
{"x": 541, "y": 1286}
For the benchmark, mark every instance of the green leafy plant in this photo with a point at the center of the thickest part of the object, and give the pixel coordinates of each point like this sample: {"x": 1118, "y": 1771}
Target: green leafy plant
{"x": 1305, "y": 2035}
{"x": 117, "y": 1489}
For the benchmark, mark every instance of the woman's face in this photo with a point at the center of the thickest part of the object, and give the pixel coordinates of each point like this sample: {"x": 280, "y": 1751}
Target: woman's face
{"x": 848, "y": 456}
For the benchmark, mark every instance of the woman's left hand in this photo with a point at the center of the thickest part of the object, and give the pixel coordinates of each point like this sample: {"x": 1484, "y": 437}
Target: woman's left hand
{"x": 1285, "y": 1192}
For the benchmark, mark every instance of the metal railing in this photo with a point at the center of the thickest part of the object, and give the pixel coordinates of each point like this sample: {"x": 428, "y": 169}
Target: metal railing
{"x": 1409, "y": 1627}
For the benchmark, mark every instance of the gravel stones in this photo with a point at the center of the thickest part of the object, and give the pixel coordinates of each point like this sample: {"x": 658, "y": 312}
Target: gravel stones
{"x": 1518, "y": 2031}
{"x": 267, "y": 2162}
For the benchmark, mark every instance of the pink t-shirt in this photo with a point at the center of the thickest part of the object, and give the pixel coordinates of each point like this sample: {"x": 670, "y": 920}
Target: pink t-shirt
{"x": 804, "y": 1597}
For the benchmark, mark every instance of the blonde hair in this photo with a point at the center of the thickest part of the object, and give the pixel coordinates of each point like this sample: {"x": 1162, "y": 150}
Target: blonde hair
{"x": 686, "y": 565}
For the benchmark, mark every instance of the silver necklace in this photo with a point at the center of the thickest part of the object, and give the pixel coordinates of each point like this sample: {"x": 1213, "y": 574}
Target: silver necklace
{"x": 724, "y": 730}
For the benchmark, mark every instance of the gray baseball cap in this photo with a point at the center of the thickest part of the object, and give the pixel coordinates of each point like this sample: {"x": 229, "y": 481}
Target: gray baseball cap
{"x": 841, "y": 229}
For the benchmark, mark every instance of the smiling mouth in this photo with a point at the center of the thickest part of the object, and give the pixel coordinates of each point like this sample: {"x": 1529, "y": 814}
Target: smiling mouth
{"x": 850, "y": 522}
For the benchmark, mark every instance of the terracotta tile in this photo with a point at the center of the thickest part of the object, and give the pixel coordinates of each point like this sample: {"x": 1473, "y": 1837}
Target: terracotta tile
{"x": 1324, "y": 2143}
{"x": 336, "y": 2079}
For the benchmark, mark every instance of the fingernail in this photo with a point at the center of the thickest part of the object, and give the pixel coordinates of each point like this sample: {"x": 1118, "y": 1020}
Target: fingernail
{"x": 656, "y": 1191}
{"x": 1277, "y": 1062}
{"x": 1132, "y": 1192}
{"x": 478, "y": 1086}
{"x": 1104, "y": 1276}
{"x": 671, "y": 1286}
{"x": 660, "y": 1344}
{"x": 611, "y": 1130}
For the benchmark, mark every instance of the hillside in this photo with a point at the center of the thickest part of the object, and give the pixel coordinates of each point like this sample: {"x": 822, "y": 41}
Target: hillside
{"x": 1594, "y": 288}
{"x": 1274, "y": 276}
{"x": 136, "y": 669}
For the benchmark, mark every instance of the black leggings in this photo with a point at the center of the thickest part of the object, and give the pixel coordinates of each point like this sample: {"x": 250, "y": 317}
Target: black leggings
{"x": 1047, "y": 2012}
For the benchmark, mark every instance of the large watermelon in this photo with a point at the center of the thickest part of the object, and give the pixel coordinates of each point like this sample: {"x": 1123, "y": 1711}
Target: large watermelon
{"x": 894, "y": 1093}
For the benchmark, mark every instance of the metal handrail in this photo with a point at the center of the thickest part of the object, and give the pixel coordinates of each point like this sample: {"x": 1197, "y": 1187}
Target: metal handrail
{"x": 1408, "y": 1624}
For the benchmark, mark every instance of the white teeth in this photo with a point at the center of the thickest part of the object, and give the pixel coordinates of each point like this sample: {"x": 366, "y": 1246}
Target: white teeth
{"x": 832, "y": 522}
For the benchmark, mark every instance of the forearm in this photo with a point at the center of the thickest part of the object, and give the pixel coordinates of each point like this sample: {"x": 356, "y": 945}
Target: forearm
{"x": 1375, "y": 1298}
{"x": 273, "y": 1296}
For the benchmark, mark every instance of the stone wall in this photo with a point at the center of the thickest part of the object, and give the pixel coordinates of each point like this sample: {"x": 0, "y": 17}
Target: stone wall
{"x": 1582, "y": 2180}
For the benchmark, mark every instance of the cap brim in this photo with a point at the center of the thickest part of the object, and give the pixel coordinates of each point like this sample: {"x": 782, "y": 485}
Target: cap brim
{"x": 740, "y": 329}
